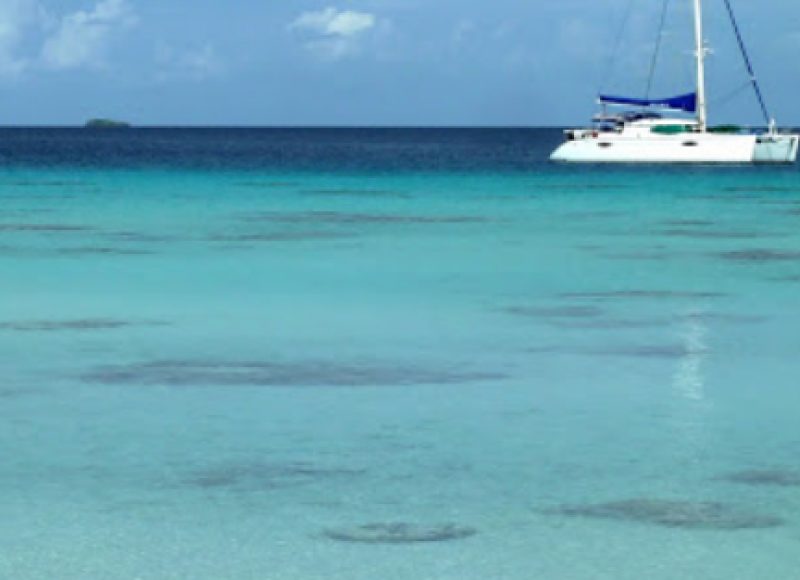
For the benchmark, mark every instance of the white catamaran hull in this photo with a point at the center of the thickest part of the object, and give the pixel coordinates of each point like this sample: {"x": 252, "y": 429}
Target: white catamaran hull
{"x": 686, "y": 148}
{"x": 776, "y": 149}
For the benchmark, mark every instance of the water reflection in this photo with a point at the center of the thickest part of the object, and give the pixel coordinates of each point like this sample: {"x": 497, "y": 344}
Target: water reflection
{"x": 689, "y": 378}
{"x": 691, "y": 404}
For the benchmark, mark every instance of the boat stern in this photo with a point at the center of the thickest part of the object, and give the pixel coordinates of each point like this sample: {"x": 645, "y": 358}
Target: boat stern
{"x": 776, "y": 148}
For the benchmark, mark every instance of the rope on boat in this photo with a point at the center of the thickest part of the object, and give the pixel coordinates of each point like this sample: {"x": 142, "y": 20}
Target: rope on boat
{"x": 612, "y": 59}
{"x": 728, "y": 97}
{"x": 657, "y": 50}
{"x": 748, "y": 63}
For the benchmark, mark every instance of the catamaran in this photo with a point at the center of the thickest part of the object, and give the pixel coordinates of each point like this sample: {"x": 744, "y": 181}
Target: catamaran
{"x": 644, "y": 134}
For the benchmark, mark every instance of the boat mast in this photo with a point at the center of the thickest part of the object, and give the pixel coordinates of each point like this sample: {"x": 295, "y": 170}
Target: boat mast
{"x": 702, "y": 112}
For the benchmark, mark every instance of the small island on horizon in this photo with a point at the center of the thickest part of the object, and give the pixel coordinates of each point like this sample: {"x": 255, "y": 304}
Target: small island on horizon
{"x": 106, "y": 124}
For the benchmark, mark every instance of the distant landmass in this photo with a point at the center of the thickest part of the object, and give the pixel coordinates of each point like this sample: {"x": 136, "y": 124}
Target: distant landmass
{"x": 106, "y": 124}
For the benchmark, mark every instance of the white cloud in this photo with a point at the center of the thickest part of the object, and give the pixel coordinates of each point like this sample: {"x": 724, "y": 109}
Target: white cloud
{"x": 332, "y": 33}
{"x": 195, "y": 64}
{"x": 17, "y": 17}
{"x": 331, "y": 22}
{"x": 81, "y": 39}
{"x": 463, "y": 29}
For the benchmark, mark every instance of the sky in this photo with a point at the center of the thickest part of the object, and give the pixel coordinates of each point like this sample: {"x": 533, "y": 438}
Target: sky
{"x": 376, "y": 62}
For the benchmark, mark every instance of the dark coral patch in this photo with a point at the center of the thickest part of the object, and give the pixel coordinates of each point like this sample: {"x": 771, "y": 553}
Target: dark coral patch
{"x": 259, "y": 475}
{"x": 700, "y": 234}
{"x": 673, "y": 514}
{"x": 28, "y": 196}
{"x": 291, "y": 236}
{"x": 613, "y": 323}
{"x": 75, "y": 325}
{"x": 760, "y": 256}
{"x": 399, "y": 533}
{"x": 583, "y": 317}
{"x": 44, "y": 228}
{"x": 571, "y": 312}
{"x": 643, "y": 294}
{"x": 688, "y": 223}
{"x": 667, "y": 351}
{"x": 355, "y": 193}
{"x": 729, "y": 195}
{"x": 139, "y": 237}
{"x": 184, "y": 373}
{"x": 266, "y": 184}
{"x": 791, "y": 203}
{"x": 52, "y": 183}
{"x": 641, "y": 256}
{"x": 346, "y": 218}
{"x": 650, "y": 351}
{"x": 18, "y": 212}
{"x": 103, "y": 251}
{"x": 767, "y": 477}
{"x": 588, "y": 215}
{"x": 582, "y": 187}
{"x": 762, "y": 189}
{"x": 12, "y": 393}
{"x": 723, "y": 318}
{"x": 788, "y": 278}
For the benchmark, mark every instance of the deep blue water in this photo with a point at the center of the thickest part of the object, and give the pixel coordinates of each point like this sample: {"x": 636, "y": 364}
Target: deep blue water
{"x": 373, "y": 150}
{"x": 295, "y": 353}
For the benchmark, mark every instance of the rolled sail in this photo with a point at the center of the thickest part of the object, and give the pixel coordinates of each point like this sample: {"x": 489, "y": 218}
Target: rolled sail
{"x": 686, "y": 102}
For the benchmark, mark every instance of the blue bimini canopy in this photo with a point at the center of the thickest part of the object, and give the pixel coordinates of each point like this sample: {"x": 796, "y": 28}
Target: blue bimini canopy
{"x": 686, "y": 103}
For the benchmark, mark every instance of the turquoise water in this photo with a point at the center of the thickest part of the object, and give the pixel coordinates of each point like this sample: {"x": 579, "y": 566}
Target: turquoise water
{"x": 225, "y": 372}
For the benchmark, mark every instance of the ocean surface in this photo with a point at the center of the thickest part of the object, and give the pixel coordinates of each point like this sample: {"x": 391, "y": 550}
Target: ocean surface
{"x": 399, "y": 354}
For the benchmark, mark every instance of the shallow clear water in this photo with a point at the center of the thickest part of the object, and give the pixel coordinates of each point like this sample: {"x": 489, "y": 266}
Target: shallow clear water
{"x": 217, "y": 347}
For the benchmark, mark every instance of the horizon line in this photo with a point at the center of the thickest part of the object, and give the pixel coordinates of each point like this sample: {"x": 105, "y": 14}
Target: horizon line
{"x": 260, "y": 126}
